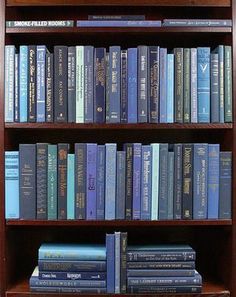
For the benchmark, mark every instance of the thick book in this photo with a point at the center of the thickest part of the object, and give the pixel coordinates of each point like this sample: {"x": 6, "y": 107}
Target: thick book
{"x": 179, "y": 93}
{"x": 42, "y": 179}
{"x": 197, "y": 23}
{"x": 112, "y": 17}
{"x": 79, "y": 89}
{"x": 119, "y": 23}
{"x": 178, "y": 181}
{"x": 163, "y": 182}
{"x": 59, "y": 275}
{"x": 27, "y": 173}
{"x": 228, "y": 84}
{"x": 88, "y": 83}
{"x": 117, "y": 262}
{"x": 142, "y": 84}
{"x": 171, "y": 265}
{"x": 120, "y": 188}
{"x": 215, "y": 96}
{"x": 170, "y": 89}
{"x": 39, "y": 24}
{"x": 154, "y": 62}
{"x": 70, "y": 187}
{"x": 16, "y": 90}
{"x": 163, "y": 85}
{"x": 100, "y": 182}
{"x": 170, "y": 183}
{"x": 155, "y": 180}
{"x": 123, "y": 262}
{"x": 32, "y": 66}
{"x": 60, "y": 83}
{"x": 160, "y": 272}
{"x": 52, "y": 182}
{"x": 23, "y": 83}
{"x": 12, "y": 185}
{"x": 110, "y": 258}
{"x": 41, "y": 87}
{"x": 124, "y": 87}
{"x": 137, "y": 173}
{"x": 49, "y": 87}
{"x": 193, "y": 85}
{"x": 186, "y": 86}
{"x": 128, "y": 147}
{"x": 71, "y": 84}
{"x": 9, "y": 83}
{"x": 164, "y": 289}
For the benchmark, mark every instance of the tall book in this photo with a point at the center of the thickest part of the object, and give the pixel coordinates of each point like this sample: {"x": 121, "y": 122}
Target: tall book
{"x": 154, "y": 62}
{"x": 107, "y": 83}
{"x": 124, "y": 87}
{"x": 186, "y": 80}
{"x": 41, "y": 88}
{"x": 228, "y": 84}
{"x": 110, "y": 260}
{"x": 71, "y": 84}
{"x": 27, "y": 173}
{"x": 79, "y": 93}
{"x": 120, "y": 188}
{"x": 16, "y": 90}
{"x": 170, "y": 182}
{"x": 117, "y": 262}
{"x": 32, "y": 58}
{"x": 137, "y": 173}
{"x": 178, "y": 180}
{"x": 9, "y": 83}
{"x": 49, "y": 87}
{"x": 170, "y": 89}
{"x": 155, "y": 180}
{"x": 163, "y": 85}
{"x": 101, "y": 182}
{"x": 163, "y": 182}
{"x": 52, "y": 182}
{"x": 142, "y": 84}
{"x": 215, "y": 96}
{"x": 193, "y": 86}
{"x": 23, "y": 83}
{"x": 179, "y": 71}
{"x": 123, "y": 262}
{"x": 88, "y": 84}
{"x": 128, "y": 147}
{"x": 70, "y": 187}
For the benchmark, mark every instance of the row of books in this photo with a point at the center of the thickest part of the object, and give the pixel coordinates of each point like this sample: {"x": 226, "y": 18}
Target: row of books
{"x": 147, "y": 84}
{"x": 159, "y": 181}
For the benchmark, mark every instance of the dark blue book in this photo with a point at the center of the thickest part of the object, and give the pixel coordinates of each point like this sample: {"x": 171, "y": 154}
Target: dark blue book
{"x": 154, "y": 58}
{"x": 123, "y": 262}
{"x": 59, "y": 275}
{"x": 164, "y": 289}
{"x": 124, "y": 87}
{"x": 110, "y": 250}
{"x": 91, "y": 187}
{"x": 99, "y": 84}
{"x": 178, "y": 173}
{"x": 27, "y": 172}
{"x": 16, "y": 90}
{"x": 117, "y": 262}
{"x": 132, "y": 85}
{"x": 200, "y": 165}
{"x": 80, "y": 180}
{"x": 107, "y": 84}
{"x": 160, "y": 272}
{"x": 225, "y": 185}
{"x": 128, "y": 147}
{"x": 179, "y": 90}
{"x": 100, "y": 182}
{"x": 88, "y": 84}
{"x": 77, "y": 290}
{"x": 170, "y": 182}
{"x": 71, "y": 84}
{"x": 161, "y": 265}
{"x": 32, "y": 83}
{"x": 49, "y": 87}
{"x": 41, "y": 87}
{"x": 196, "y": 22}
{"x": 215, "y": 96}
{"x": 117, "y": 23}
{"x": 42, "y": 169}
{"x": 120, "y": 188}
{"x": 142, "y": 83}
{"x": 163, "y": 182}
{"x": 127, "y": 17}
{"x": 137, "y": 173}
{"x": 146, "y": 182}
{"x": 163, "y": 85}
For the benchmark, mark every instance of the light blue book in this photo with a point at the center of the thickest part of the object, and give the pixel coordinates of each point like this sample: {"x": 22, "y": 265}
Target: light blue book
{"x": 117, "y": 262}
{"x": 203, "y": 84}
{"x": 110, "y": 178}
{"x": 79, "y": 84}
{"x": 170, "y": 88}
{"x": 41, "y": 83}
{"x": 12, "y": 185}
{"x": 23, "y": 83}
{"x": 163, "y": 85}
{"x": 77, "y": 252}
{"x": 193, "y": 85}
{"x": 9, "y": 83}
{"x": 155, "y": 180}
{"x": 71, "y": 187}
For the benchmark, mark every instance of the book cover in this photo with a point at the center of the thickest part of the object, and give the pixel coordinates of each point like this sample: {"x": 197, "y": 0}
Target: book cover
{"x": 70, "y": 187}
{"x": 49, "y": 87}
{"x": 155, "y": 180}
{"x": 154, "y": 57}
{"x": 179, "y": 90}
{"x": 170, "y": 88}
{"x": 170, "y": 190}
{"x": 71, "y": 84}
{"x": 9, "y": 85}
{"x": 110, "y": 257}
{"x": 120, "y": 188}
{"x": 215, "y": 98}
{"x": 228, "y": 83}
{"x": 193, "y": 86}
{"x": 79, "y": 90}
{"x": 123, "y": 262}
{"x": 142, "y": 83}
{"x": 23, "y": 83}
{"x": 178, "y": 175}
{"x": 124, "y": 87}
{"x": 32, "y": 66}
{"x": 128, "y": 148}
{"x": 137, "y": 173}
{"x": 41, "y": 87}
{"x": 100, "y": 182}
{"x": 88, "y": 84}
{"x": 117, "y": 262}
{"x": 163, "y": 180}
{"x": 186, "y": 81}
{"x": 16, "y": 90}
{"x": 163, "y": 85}
{"x": 52, "y": 182}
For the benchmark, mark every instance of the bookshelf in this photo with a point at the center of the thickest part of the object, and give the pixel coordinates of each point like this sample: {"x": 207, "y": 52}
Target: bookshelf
{"x": 214, "y": 240}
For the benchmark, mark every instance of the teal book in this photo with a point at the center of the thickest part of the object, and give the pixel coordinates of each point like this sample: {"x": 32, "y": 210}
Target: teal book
{"x": 79, "y": 84}
{"x": 228, "y": 84}
{"x": 52, "y": 182}
{"x": 155, "y": 180}
{"x": 71, "y": 187}
{"x": 23, "y": 83}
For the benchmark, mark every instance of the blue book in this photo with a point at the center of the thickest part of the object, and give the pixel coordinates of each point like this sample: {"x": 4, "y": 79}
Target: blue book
{"x": 52, "y": 182}
{"x": 146, "y": 182}
{"x": 110, "y": 178}
{"x": 71, "y": 187}
{"x": 213, "y": 181}
{"x": 72, "y": 275}
{"x": 137, "y": 166}
{"x": 41, "y": 94}
{"x": 91, "y": 189}
{"x": 155, "y": 180}
{"x": 163, "y": 85}
{"x": 78, "y": 290}
{"x": 71, "y": 84}
{"x": 110, "y": 257}
{"x": 170, "y": 88}
{"x": 117, "y": 262}
{"x": 23, "y": 82}
{"x": 142, "y": 84}
{"x": 203, "y": 84}
{"x": 12, "y": 185}
{"x": 100, "y": 182}
{"x": 132, "y": 85}
{"x": 82, "y": 23}
{"x": 124, "y": 87}
{"x": 9, "y": 83}
{"x": 154, "y": 64}
{"x": 193, "y": 85}
{"x": 163, "y": 182}
{"x": 114, "y": 84}
{"x": 88, "y": 83}
{"x": 160, "y": 272}
{"x": 16, "y": 90}
{"x": 120, "y": 185}
{"x": 178, "y": 181}
{"x": 170, "y": 182}
{"x": 215, "y": 96}
{"x": 200, "y": 165}
{"x": 53, "y": 251}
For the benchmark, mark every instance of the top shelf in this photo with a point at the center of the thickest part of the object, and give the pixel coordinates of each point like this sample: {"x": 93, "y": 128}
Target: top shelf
{"x": 215, "y": 3}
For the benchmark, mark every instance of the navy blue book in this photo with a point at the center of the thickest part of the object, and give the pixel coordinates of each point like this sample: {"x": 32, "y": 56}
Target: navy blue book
{"x": 154, "y": 58}
{"x": 160, "y": 272}
{"x": 99, "y": 84}
{"x": 110, "y": 249}
{"x": 124, "y": 87}
{"x": 164, "y": 289}
{"x": 215, "y": 95}
{"x": 71, "y": 84}
{"x": 142, "y": 84}
{"x": 178, "y": 181}
{"x": 32, "y": 83}
{"x": 120, "y": 188}
{"x": 128, "y": 147}
{"x": 59, "y": 275}
{"x": 163, "y": 85}
{"x": 77, "y": 290}
{"x": 137, "y": 170}
{"x": 49, "y": 88}
{"x": 161, "y": 265}
{"x": 163, "y": 180}
{"x": 100, "y": 182}
{"x": 88, "y": 84}
{"x": 116, "y": 17}
{"x": 27, "y": 172}
{"x": 123, "y": 262}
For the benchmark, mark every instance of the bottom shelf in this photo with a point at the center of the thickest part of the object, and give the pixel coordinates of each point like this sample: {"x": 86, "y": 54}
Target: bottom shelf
{"x": 210, "y": 289}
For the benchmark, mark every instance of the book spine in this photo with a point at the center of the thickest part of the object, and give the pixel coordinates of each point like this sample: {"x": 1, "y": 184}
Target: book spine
{"x": 215, "y": 99}
{"x": 221, "y": 83}
{"x": 36, "y": 282}
{"x": 41, "y": 89}
{"x": 107, "y": 84}
{"x": 163, "y": 180}
{"x": 155, "y": 180}
{"x": 186, "y": 80}
{"x": 142, "y": 83}
{"x": 72, "y": 275}
{"x": 80, "y": 180}
{"x": 71, "y": 266}
{"x": 110, "y": 185}
{"x": 225, "y": 185}
{"x": 129, "y": 180}
{"x": 213, "y": 181}
{"x": 60, "y": 83}
{"x": 63, "y": 149}
{"x": 196, "y": 22}
{"x": 123, "y": 262}
{"x": 71, "y": 84}
{"x": 16, "y": 90}
{"x": 160, "y": 272}
{"x": 228, "y": 84}
{"x": 77, "y": 290}
{"x": 164, "y": 289}
{"x": 161, "y": 256}
{"x": 23, "y": 82}
{"x": 203, "y": 84}
{"x": 49, "y": 88}
{"x": 154, "y": 56}
{"x": 114, "y": 84}
{"x": 120, "y": 189}
{"x": 12, "y": 185}
{"x": 132, "y": 85}
{"x": 100, "y": 182}
{"x": 79, "y": 84}
{"x": 117, "y": 17}
{"x": 137, "y": 165}
{"x": 38, "y": 24}
{"x": 178, "y": 173}
{"x": 170, "y": 88}
{"x": 138, "y": 281}
{"x": 109, "y": 23}
{"x": 124, "y": 87}
{"x": 99, "y": 85}
{"x": 161, "y": 265}
{"x": 27, "y": 174}
{"x": 187, "y": 198}
{"x": 91, "y": 188}
{"x": 117, "y": 262}
{"x": 200, "y": 181}
{"x": 88, "y": 84}
{"x": 170, "y": 191}
{"x": 32, "y": 83}
{"x": 163, "y": 85}
{"x": 110, "y": 256}
{"x": 9, "y": 83}
{"x": 193, "y": 87}
{"x": 178, "y": 52}
{"x": 71, "y": 187}
{"x": 146, "y": 179}
{"x": 42, "y": 165}
{"x": 52, "y": 182}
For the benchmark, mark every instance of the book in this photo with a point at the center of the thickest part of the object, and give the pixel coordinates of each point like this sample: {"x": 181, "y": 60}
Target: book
{"x": 9, "y": 84}
{"x": 16, "y": 90}
{"x": 117, "y": 262}
{"x": 124, "y": 87}
{"x": 193, "y": 85}
{"x": 163, "y": 180}
{"x": 70, "y": 187}
{"x": 215, "y": 98}
{"x": 49, "y": 87}
{"x": 23, "y": 83}
{"x": 179, "y": 95}
{"x": 110, "y": 257}
{"x": 38, "y": 24}
{"x": 137, "y": 174}
{"x": 163, "y": 85}
{"x": 178, "y": 180}
{"x": 107, "y": 87}
{"x": 78, "y": 290}
{"x": 155, "y": 181}
{"x": 115, "y": 23}
{"x": 72, "y": 275}
{"x": 154, "y": 83}
{"x": 160, "y": 272}
{"x": 32, "y": 66}
{"x": 170, "y": 89}
{"x": 71, "y": 84}
{"x": 79, "y": 89}
{"x": 161, "y": 265}
{"x": 186, "y": 85}
{"x": 117, "y": 17}
{"x": 142, "y": 83}
{"x": 228, "y": 83}
{"x": 120, "y": 188}
{"x": 100, "y": 182}
{"x": 196, "y": 22}
{"x": 41, "y": 87}
{"x": 52, "y": 182}
{"x": 88, "y": 84}
{"x": 165, "y": 289}
{"x": 170, "y": 189}
{"x": 128, "y": 147}
{"x": 123, "y": 262}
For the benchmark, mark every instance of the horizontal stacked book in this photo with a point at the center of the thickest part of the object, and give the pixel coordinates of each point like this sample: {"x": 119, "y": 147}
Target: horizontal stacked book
{"x": 146, "y": 84}
{"x": 162, "y": 269}
{"x": 70, "y": 268}
{"x": 159, "y": 181}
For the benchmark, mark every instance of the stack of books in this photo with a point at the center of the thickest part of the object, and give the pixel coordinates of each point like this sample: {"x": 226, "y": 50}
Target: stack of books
{"x": 162, "y": 269}
{"x": 70, "y": 268}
